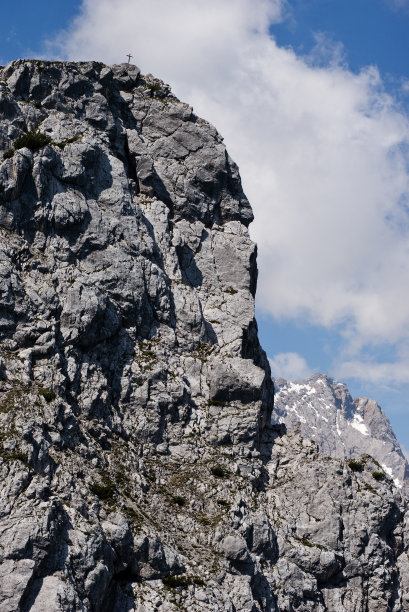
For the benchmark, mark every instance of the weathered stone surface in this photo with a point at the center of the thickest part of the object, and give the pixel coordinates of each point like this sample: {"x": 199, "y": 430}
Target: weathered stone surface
{"x": 138, "y": 466}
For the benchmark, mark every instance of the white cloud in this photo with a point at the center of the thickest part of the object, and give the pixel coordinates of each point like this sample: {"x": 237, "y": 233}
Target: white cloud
{"x": 177, "y": 39}
{"x": 382, "y": 374}
{"x": 290, "y": 366}
{"x": 323, "y": 152}
{"x": 326, "y": 52}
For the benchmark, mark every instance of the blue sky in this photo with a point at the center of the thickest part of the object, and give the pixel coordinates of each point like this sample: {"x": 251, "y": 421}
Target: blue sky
{"x": 311, "y": 97}
{"x": 25, "y": 25}
{"x": 371, "y": 31}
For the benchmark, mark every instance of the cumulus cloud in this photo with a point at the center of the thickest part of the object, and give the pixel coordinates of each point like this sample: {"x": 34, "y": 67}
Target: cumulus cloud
{"x": 181, "y": 38}
{"x": 375, "y": 373}
{"x": 323, "y": 152}
{"x": 382, "y": 374}
{"x": 290, "y": 366}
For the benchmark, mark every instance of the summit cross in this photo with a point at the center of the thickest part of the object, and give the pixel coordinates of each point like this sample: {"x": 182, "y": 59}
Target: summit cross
{"x": 129, "y": 58}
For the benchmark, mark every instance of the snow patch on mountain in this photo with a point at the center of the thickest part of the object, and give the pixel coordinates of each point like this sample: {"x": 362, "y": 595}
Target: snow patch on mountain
{"x": 341, "y": 426}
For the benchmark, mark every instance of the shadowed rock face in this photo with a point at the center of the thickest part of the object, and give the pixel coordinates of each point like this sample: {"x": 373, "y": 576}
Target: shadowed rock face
{"x": 139, "y": 469}
{"x": 325, "y": 412}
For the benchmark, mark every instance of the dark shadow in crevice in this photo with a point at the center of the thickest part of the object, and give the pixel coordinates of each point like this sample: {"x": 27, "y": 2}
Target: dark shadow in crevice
{"x": 261, "y": 591}
{"x": 191, "y": 274}
{"x": 52, "y": 559}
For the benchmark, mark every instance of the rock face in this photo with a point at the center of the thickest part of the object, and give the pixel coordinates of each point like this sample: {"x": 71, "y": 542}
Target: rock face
{"x": 139, "y": 467}
{"x": 325, "y": 412}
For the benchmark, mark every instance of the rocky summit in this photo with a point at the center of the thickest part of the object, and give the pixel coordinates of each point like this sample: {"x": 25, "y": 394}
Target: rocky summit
{"x": 140, "y": 469}
{"x": 323, "y": 410}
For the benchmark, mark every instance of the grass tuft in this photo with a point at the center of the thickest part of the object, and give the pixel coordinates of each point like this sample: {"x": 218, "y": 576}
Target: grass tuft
{"x": 178, "y": 500}
{"x": 174, "y": 582}
{"x": 105, "y": 491}
{"x": 355, "y": 466}
{"x": 8, "y": 154}
{"x": 33, "y": 140}
{"x": 48, "y": 394}
{"x": 218, "y": 471}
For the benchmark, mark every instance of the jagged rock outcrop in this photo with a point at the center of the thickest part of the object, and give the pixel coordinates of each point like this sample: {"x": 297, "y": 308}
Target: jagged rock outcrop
{"x": 139, "y": 468}
{"x": 325, "y": 412}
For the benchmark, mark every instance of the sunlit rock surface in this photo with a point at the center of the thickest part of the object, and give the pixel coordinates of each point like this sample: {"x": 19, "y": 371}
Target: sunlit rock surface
{"x": 139, "y": 467}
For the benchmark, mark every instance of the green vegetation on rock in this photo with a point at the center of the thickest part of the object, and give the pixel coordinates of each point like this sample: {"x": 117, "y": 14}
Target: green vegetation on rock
{"x": 105, "y": 491}
{"x": 174, "y": 582}
{"x": 356, "y": 466}
{"x": 33, "y": 140}
{"x": 8, "y": 154}
{"x": 48, "y": 394}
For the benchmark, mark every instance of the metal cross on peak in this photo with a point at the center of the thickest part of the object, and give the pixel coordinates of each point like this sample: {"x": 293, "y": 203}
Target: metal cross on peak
{"x": 129, "y": 58}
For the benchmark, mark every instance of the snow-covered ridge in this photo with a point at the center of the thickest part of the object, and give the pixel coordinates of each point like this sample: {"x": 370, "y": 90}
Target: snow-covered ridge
{"x": 341, "y": 426}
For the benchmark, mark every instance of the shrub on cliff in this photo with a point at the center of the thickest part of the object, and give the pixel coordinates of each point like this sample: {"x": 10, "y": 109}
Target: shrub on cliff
{"x": 32, "y": 140}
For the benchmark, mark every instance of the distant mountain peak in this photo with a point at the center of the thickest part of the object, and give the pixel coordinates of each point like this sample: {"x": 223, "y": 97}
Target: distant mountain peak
{"x": 340, "y": 425}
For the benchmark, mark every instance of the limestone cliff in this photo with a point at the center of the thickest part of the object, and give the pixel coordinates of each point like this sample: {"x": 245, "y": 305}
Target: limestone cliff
{"x": 139, "y": 469}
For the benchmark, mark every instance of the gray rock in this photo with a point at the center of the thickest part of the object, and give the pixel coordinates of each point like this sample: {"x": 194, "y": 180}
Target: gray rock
{"x": 139, "y": 469}
{"x": 235, "y": 548}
